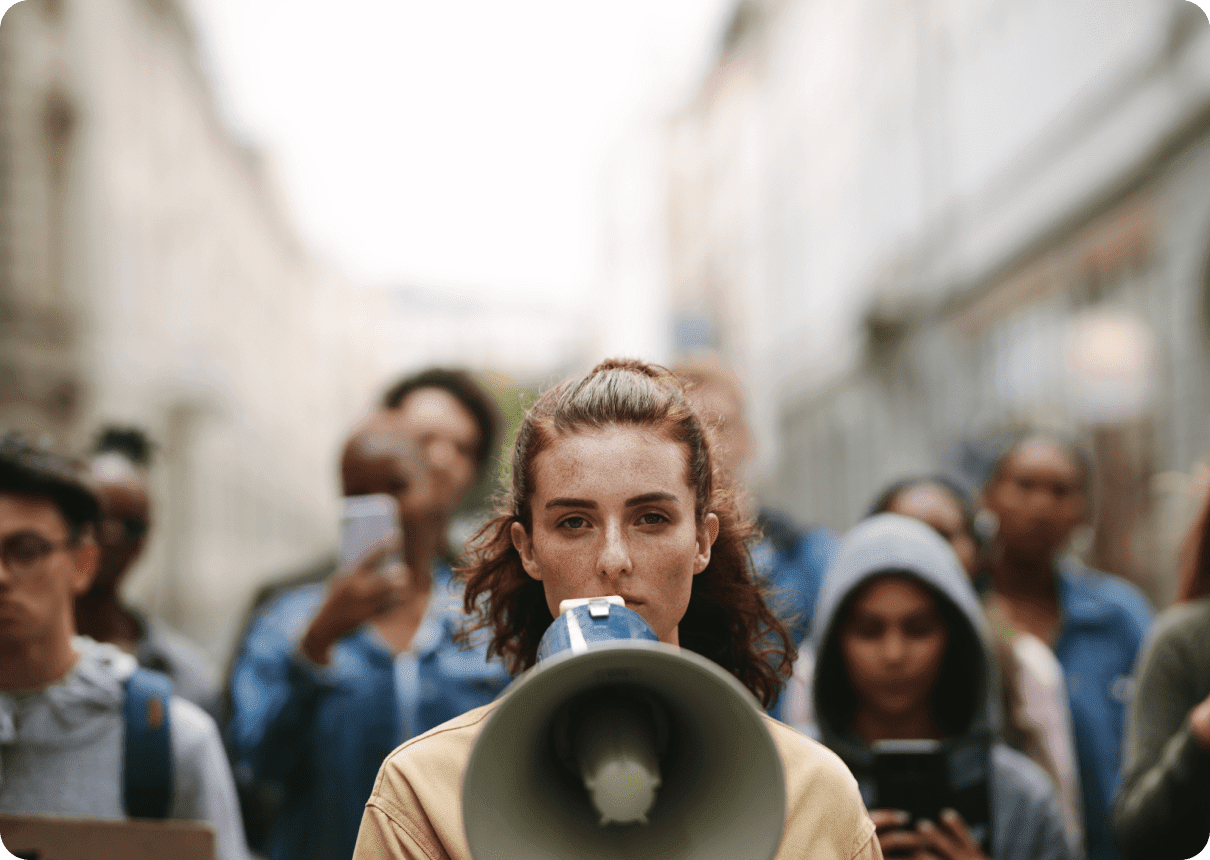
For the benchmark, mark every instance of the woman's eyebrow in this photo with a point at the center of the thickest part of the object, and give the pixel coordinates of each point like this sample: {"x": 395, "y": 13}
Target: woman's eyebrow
{"x": 571, "y": 503}
{"x": 648, "y": 498}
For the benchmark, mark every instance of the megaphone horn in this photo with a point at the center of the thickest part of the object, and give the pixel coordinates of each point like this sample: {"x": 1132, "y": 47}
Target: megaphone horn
{"x": 626, "y": 747}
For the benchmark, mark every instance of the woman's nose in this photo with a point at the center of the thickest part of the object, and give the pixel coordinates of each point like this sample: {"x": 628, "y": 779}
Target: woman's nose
{"x": 442, "y": 453}
{"x": 893, "y": 647}
{"x": 615, "y": 554}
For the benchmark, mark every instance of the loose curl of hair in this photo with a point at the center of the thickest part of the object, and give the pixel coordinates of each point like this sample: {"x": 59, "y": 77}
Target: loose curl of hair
{"x": 727, "y": 621}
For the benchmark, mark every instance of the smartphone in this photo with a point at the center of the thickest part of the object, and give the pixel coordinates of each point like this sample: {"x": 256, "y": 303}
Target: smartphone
{"x": 366, "y": 523}
{"x": 915, "y": 776}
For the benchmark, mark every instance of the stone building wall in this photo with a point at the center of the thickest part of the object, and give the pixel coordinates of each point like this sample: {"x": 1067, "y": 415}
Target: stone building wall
{"x": 151, "y": 275}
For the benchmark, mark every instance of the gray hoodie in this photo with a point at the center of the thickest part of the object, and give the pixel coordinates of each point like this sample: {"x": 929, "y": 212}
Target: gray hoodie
{"x": 61, "y": 750}
{"x": 1027, "y": 820}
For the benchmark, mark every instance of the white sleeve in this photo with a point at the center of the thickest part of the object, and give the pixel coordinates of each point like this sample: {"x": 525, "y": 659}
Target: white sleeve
{"x": 202, "y": 783}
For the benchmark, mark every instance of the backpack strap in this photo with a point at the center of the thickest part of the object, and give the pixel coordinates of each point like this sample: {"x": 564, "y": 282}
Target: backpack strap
{"x": 147, "y": 765}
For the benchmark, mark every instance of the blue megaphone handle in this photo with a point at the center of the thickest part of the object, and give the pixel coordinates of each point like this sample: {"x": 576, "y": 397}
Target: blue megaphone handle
{"x": 595, "y": 620}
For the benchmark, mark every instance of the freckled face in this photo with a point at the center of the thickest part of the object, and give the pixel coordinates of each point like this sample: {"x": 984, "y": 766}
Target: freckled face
{"x": 613, "y": 513}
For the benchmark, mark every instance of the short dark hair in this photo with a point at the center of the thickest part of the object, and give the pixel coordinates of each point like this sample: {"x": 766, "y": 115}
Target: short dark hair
{"x": 1075, "y": 447}
{"x": 957, "y": 490}
{"x": 29, "y": 470}
{"x": 131, "y": 442}
{"x": 470, "y": 394}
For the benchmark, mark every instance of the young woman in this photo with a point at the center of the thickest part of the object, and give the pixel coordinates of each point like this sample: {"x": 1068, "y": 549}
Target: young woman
{"x": 1040, "y": 491}
{"x": 1164, "y": 808}
{"x": 614, "y": 492}
{"x": 902, "y": 653}
{"x": 1037, "y": 716}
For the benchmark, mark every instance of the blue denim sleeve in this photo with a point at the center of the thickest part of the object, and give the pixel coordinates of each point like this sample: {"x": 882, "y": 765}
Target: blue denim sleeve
{"x": 274, "y": 692}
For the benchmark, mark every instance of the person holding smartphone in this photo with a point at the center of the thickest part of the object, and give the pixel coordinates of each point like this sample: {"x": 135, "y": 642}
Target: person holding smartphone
{"x": 905, "y": 692}
{"x": 332, "y": 675}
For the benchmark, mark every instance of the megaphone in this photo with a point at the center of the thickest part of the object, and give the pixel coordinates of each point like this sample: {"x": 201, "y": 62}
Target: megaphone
{"x": 616, "y": 745}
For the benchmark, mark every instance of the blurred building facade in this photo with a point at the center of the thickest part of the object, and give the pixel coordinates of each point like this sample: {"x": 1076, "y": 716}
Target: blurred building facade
{"x": 909, "y": 223}
{"x": 150, "y": 276}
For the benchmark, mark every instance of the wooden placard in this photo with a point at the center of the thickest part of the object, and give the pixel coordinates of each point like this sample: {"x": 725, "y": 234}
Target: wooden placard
{"x": 34, "y": 837}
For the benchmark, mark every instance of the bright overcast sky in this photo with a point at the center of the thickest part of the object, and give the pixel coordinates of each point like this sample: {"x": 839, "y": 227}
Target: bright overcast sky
{"x": 458, "y": 142}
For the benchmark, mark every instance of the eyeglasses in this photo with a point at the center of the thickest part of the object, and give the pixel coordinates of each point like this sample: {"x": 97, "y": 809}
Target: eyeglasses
{"x": 115, "y": 529}
{"x": 22, "y": 552}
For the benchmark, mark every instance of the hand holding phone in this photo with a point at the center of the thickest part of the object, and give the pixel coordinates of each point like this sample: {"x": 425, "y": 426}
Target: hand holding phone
{"x": 367, "y": 523}
{"x": 946, "y": 839}
{"x": 913, "y": 787}
{"x": 371, "y": 579}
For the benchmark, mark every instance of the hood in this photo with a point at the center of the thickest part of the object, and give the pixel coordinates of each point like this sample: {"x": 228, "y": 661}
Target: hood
{"x": 66, "y": 712}
{"x": 881, "y": 544}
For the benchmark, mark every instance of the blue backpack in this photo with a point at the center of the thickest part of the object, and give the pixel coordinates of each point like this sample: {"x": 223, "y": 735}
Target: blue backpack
{"x": 147, "y": 756}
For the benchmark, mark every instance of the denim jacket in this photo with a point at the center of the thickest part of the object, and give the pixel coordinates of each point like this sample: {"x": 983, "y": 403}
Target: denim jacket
{"x": 319, "y": 734}
{"x": 1105, "y": 620}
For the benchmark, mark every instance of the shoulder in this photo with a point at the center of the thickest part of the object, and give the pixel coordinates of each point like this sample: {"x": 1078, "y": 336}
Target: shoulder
{"x": 1179, "y": 634}
{"x": 823, "y": 803}
{"x": 1019, "y": 777}
{"x": 419, "y": 786}
{"x": 1093, "y": 590}
{"x": 1026, "y": 807}
{"x": 804, "y": 757}
{"x": 194, "y": 733}
{"x": 446, "y": 747}
{"x": 1024, "y": 795}
{"x": 1183, "y": 622}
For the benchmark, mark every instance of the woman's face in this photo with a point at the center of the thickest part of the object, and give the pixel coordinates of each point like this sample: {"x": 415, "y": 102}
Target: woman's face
{"x": 1039, "y": 497}
{"x": 613, "y": 513}
{"x": 893, "y": 644}
{"x": 935, "y": 507}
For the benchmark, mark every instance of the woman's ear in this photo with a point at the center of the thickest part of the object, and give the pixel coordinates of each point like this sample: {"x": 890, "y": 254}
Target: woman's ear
{"x": 524, "y": 545}
{"x": 707, "y": 534}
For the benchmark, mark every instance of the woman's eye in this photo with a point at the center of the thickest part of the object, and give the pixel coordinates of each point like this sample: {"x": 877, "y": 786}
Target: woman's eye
{"x": 652, "y": 519}
{"x": 919, "y": 629}
{"x": 868, "y": 630}
{"x": 573, "y": 523}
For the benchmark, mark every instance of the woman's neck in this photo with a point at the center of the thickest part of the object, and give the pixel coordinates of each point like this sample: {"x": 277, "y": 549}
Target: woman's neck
{"x": 422, "y": 548}
{"x": 871, "y": 725}
{"x": 1016, "y": 577}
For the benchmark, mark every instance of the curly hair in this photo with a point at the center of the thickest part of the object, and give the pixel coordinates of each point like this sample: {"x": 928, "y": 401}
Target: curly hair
{"x": 728, "y": 620}
{"x": 469, "y": 392}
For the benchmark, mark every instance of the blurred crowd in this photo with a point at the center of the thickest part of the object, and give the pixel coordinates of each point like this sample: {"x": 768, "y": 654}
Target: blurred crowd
{"x": 951, "y": 611}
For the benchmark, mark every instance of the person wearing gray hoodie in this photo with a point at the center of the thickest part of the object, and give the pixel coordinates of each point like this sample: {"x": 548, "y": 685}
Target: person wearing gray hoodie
{"x": 902, "y": 654}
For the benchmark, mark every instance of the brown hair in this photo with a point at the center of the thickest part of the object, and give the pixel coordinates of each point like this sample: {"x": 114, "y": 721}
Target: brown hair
{"x": 727, "y": 621}
{"x": 1195, "y": 558}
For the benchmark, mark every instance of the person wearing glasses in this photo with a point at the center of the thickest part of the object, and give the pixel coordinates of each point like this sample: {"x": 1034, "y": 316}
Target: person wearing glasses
{"x": 64, "y": 723}
{"x": 118, "y": 472}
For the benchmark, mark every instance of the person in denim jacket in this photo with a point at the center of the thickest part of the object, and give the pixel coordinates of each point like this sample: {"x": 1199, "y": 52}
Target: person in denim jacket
{"x": 334, "y": 675}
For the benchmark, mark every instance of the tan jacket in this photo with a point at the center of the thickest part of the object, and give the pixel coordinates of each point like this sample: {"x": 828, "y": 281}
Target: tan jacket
{"x": 415, "y": 811}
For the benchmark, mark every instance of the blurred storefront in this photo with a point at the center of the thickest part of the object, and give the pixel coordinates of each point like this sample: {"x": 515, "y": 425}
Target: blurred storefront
{"x": 909, "y": 224}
